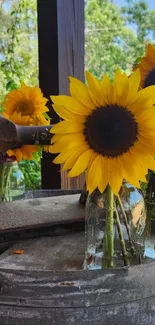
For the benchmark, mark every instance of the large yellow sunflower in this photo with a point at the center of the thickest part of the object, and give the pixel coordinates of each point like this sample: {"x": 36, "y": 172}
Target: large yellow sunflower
{"x": 108, "y": 130}
{"x": 26, "y": 100}
{"x": 147, "y": 67}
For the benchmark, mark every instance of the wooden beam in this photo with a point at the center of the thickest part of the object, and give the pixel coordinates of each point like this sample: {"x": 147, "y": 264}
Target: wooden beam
{"x": 61, "y": 53}
{"x": 71, "y": 58}
{"x": 33, "y": 213}
{"x": 48, "y": 78}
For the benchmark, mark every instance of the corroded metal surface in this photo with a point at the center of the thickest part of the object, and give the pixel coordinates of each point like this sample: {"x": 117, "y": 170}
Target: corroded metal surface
{"x": 14, "y": 136}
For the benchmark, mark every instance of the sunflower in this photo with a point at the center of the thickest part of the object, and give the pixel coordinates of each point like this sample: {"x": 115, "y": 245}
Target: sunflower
{"x": 147, "y": 67}
{"x": 26, "y": 100}
{"x": 108, "y": 130}
{"x": 26, "y": 151}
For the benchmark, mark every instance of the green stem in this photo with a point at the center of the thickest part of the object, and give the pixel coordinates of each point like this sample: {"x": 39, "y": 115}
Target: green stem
{"x": 126, "y": 224}
{"x": 109, "y": 232}
{"x": 7, "y": 184}
{"x": 122, "y": 242}
{"x": 2, "y": 186}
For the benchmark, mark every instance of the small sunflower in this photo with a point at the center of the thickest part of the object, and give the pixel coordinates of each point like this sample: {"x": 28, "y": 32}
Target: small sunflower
{"x": 108, "y": 130}
{"x": 26, "y": 100}
{"x": 147, "y": 67}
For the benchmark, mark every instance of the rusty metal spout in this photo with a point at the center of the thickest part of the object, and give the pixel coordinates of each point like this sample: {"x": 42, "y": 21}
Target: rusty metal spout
{"x": 14, "y": 136}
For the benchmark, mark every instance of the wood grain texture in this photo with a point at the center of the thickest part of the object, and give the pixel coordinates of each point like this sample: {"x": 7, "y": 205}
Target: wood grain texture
{"x": 113, "y": 297}
{"x": 61, "y": 54}
{"x": 46, "y": 285}
{"x": 46, "y": 253}
{"x": 33, "y": 194}
{"x": 32, "y": 213}
{"x": 70, "y": 58}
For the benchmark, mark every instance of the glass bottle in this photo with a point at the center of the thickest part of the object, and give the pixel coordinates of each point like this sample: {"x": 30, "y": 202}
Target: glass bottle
{"x": 128, "y": 228}
{"x": 12, "y": 185}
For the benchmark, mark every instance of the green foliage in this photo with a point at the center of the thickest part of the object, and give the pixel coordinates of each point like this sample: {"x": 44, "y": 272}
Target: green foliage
{"x": 19, "y": 54}
{"x": 19, "y": 63}
{"x": 116, "y": 37}
{"x": 32, "y": 172}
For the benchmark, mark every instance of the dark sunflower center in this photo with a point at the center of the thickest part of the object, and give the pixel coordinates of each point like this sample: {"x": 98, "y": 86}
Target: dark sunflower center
{"x": 150, "y": 79}
{"x": 111, "y": 130}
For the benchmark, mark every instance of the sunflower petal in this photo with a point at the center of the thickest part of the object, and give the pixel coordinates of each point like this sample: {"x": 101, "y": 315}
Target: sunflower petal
{"x": 79, "y": 91}
{"x": 116, "y": 178}
{"x": 81, "y": 164}
{"x": 147, "y": 133}
{"x": 145, "y": 115}
{"x": 94, "y": 89}
{"x": 68, "y": 141}
{"x": 67, "y": 127}
{"x": 71, "y": 160}
{"x": 145, "y": 95}
{"x": 62, "y": 157}
{"x": 71, "y": 104}
{"x": 17, "y": 153}
{"x": 151, "y": 163}
{"x": 148, "y": 124}
{"x": 121, "y": 85}
{"x": 132, "y": 171}
{"x": 148, "y": 147}
{"x": 67, "y": 115}
{"x": 104, "y": 173}
{"x": 92, "y": 176}
{"x": 55, "y": 137}
{"x": 107, "y": 90}
{"x": 134, "y": 84}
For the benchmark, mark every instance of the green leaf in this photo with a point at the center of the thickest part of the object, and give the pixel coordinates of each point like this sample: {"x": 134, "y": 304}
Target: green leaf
{"x": 13, "y": 13}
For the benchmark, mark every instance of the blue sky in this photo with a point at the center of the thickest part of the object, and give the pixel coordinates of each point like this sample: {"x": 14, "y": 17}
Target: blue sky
{"x": 151, "y": 3}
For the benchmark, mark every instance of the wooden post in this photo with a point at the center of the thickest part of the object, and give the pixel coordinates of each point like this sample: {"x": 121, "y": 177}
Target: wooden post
{"x": 48, "y": 78}
{"x": 61, "y": 54}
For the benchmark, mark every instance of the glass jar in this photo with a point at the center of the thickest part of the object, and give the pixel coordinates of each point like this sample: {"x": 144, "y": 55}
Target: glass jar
{"x": 12, "y": 185}
{"x": 150, "y": 227}
{"x": 128, "y": 228}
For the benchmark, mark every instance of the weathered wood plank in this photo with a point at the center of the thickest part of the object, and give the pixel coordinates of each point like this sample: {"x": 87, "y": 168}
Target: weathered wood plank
{"x": 70, "y": 15}
{"x": 61, "y": 54}
{"x": 113, "y": 297}
{"x": 42, "y": 211}
{"x": 12, "y": 236}
{"x": 46, "y": 253}
{"x": 31, "y": 194}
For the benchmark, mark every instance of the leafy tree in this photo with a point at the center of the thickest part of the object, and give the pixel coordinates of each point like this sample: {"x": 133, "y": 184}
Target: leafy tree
{"x": 141, "y": 18}
{"x": 19, "y": 56}
{"x": 116, "y": 36}
{"x": 19, "y": 63}
{"x": 5, "y": 21}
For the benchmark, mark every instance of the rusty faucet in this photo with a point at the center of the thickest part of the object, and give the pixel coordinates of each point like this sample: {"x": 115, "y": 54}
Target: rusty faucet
{"x": 14, "y": 136}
